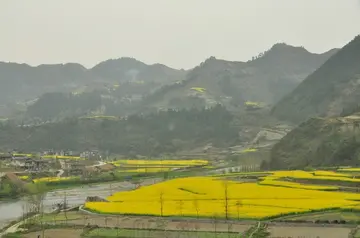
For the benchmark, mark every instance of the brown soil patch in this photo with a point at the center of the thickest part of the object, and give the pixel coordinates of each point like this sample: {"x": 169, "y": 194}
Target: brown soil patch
{"x": 133, "y": 222}
{"x": 56, "y": 233}
{"x": 308, "y": 232}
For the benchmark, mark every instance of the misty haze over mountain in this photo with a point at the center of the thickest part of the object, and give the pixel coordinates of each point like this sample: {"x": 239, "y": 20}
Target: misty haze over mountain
{"x": 179, "y": 34}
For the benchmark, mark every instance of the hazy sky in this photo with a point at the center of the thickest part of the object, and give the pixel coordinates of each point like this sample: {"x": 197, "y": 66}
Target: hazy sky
{"x": 178, "y": 33}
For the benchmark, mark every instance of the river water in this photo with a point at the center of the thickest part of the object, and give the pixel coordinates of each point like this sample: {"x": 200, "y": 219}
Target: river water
{"x": 12, "y": 210}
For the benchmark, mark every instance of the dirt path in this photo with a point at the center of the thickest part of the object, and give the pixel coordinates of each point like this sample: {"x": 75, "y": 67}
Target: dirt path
{"x": 134, "y": 222}
{"x": 56, "y": 233}
{"x": 256, "y": 229}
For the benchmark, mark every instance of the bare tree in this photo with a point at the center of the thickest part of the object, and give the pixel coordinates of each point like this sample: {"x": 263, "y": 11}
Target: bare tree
{"x": 196, "y": 206}
{"x": 161, "y": 200}
{"x": 229, "y": 228}
{"x": 117, "y": 226}
{"x": 226, "y": 199}
{"x": 238, "y": 205}
{"x": 65, "y": 207}
{"x": 215, "y": 221}
{"x": 180, "y": 207}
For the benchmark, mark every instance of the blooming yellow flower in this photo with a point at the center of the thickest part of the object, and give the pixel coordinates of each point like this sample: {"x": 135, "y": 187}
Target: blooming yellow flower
{"x": 207, "y": 196}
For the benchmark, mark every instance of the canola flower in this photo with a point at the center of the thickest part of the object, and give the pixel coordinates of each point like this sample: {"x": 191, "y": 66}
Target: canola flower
{"x": 330, "y": 173}
{"x": 321, "y": 175}
{"x": 272, "y": 182}
{"x": 162, "y": 162}
{"x": 62, "y": 157}
{"x": 24, "y": 177}
{"x": 248, "y": 150}
{"x": 114, "y": 118}
{"x": 52, "y": 179}
{"x": 23, "y": 154}
{"x": 249, "y": 103}
{"x": 152, "y": 166}
{"x": 146, "y": 170}
{"x": 349, "y": 170}
{"x": 198, "y": 89}
{"x": 205, "y": 196}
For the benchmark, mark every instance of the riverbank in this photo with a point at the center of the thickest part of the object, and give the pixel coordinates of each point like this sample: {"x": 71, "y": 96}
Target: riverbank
{"x": 13, "y": 210}
{"x": 103, "y": 178}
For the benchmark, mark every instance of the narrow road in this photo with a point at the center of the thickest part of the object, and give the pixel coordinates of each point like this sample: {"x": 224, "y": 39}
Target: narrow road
{"x": 256, "y": 229}
{"x": 14, "y": 228}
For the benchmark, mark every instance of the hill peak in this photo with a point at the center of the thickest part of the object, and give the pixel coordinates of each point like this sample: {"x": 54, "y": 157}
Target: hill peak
{"x": 331, "y": 89}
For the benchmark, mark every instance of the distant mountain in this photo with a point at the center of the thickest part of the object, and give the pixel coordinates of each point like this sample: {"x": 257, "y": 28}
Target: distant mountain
{"x": 331, "y": 90}
{"x": 265, "y": 79}
{"x": 129, "y": 69}
{"x": 319, "y": 142}
{"x": 21, "y": 82}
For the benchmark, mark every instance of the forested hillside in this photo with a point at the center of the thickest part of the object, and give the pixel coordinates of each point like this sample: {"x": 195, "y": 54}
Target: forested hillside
{"x": 319, "y": 142}
{"x": 22, "y": 84}
{"x": 150, "y": 134}
{"x": 331, "y": 90}
{"x": 264, "y": 79}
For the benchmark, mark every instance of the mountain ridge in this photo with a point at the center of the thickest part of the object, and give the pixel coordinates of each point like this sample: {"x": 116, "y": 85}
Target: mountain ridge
{"x": 332, "y": 88}
{"x": 261, "y": 79}
{"x": 319, "y": 142}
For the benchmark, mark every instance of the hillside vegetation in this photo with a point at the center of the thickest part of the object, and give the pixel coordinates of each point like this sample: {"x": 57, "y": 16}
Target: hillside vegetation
{"x": 332, "y": 90}
{"x": 264, "y": 79}
{"x": 125, "y": 86}
{"x": 150, "y": 134}
{"x": 319, "y": 142}
{"x": 21, "y": 83}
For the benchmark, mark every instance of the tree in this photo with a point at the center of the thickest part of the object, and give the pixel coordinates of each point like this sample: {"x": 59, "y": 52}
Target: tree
{"x": 238, "y": 205}
{"x": 161, "y": 201}
{"x": 226, "y": 199}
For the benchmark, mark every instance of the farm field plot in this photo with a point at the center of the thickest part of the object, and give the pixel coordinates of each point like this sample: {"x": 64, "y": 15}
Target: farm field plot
{"x": 156, "y": 234}
{"x": 325, "y": 216}
{"x": 328, "y": 180}
{"x": 154, "y": 166}
{"x": 308, "y": 232}
{"x": 209, "y": 197}
{"x": 144, "y": 222}
{"x": 160, "y": 162}
{"x": 56, "y": 233}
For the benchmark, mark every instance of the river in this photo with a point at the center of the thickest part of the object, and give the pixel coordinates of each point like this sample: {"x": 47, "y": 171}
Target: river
{"x": 13, "y": 210}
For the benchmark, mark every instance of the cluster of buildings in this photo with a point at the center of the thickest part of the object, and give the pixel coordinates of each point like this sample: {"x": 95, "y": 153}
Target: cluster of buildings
{"x": 45, "y": 160}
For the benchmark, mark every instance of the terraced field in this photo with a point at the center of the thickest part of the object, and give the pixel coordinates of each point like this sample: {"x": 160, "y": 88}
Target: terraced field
{"x": 217, "y": 196}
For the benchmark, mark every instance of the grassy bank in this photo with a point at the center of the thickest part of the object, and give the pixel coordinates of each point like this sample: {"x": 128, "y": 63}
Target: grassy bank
{"x": 8, "y": 192}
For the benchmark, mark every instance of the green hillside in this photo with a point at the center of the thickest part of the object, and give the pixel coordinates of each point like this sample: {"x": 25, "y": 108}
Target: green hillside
{"x": 150, "y": 134}
{"x": 319, "y": 142}
{"x": 265, "y": 79}
{"x": 331, "y": 90}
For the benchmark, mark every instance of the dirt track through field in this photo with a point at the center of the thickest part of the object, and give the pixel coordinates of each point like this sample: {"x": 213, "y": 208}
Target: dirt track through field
{"x": 158, "y": 223}
{"x": 56, "y": 233}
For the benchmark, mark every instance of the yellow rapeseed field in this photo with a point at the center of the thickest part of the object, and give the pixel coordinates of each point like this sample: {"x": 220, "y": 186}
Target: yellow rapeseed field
{"x": 316, "y": 175}
{"x": 199, "y": 89}
{"x": 27, "y": 155}
{"x": 273, "y": 182}
{"x": 349, "y": 170}
{"x": 24, "y": 177}
{"x": 249, "y": 150}
{"x": 146, "y": 170}
{"x": 52, "y": 179}
{"x": 207, "y": 196}
{"x": 62, "y": 157}
{"x": 330, "y": 173}
{"x": 161, "y": 162}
